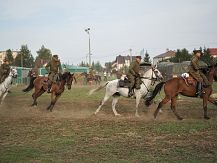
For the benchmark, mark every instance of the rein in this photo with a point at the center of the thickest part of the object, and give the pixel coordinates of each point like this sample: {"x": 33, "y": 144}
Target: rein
{"x": 152, "y": 79}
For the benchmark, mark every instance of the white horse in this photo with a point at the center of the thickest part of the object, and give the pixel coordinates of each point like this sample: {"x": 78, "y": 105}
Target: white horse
{"x": 112, "y": 89}
{"x": 6, "y": 84}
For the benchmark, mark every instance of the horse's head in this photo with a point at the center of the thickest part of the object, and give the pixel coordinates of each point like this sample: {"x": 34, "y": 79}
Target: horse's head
{"x": 68, "y": 78}
{"x": 13, "y": 72}
{"x": 156, "y": 74}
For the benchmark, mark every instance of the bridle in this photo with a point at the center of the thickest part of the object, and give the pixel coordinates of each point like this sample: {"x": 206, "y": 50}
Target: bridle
{"x": 69, "y": 80}
{"x": 153, "y": 79}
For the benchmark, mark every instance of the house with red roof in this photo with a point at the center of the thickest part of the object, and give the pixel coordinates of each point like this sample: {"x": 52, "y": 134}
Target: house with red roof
{"x": 213, "y": 52}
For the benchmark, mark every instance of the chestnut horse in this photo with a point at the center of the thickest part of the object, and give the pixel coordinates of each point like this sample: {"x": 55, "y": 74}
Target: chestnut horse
{"x": 176, "y": 86}
{"x": 40, "y": 85}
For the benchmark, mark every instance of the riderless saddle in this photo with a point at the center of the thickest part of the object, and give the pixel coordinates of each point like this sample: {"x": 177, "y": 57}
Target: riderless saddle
{"x": 189, "y": 80}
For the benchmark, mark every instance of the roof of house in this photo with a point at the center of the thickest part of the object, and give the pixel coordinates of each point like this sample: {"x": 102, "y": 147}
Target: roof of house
{"x": 169, "y": 53}
{"x": 121, "y": 59}
{"x": 212, "y": 51}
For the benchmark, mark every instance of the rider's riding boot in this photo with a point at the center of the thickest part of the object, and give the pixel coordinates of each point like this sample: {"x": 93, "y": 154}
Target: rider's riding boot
{"x": 49, "y": 88}
{"x": 200, "y": 91}
{"x": 130, "y": 93}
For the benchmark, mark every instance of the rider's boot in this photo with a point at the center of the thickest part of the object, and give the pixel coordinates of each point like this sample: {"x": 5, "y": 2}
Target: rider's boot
{"x": 200, "y": 91}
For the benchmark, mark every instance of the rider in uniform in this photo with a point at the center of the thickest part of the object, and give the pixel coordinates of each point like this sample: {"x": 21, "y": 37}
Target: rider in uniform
{"x": 91, "y": 73}
{"x": 194, "y": 70}
{"x": 133, "y": 75}
{"x": 4, "y": 70}
{"x": 53, "y": 68}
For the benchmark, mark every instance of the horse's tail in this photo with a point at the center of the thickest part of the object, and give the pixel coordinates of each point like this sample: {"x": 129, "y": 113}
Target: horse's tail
{"x": 30, "y": 86}
{"x": 157, "y": 89}
{"x": 97, "y": 89}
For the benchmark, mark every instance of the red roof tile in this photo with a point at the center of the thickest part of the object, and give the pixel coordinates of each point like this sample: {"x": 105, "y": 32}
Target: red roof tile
{"x": 212, "y": 51}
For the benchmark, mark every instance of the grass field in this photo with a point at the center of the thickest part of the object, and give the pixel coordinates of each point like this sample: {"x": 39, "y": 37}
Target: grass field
{"x": 72, "y": 134}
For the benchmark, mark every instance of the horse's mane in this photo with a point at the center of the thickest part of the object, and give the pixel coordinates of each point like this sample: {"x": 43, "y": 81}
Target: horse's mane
{"x": 65, "y": 75}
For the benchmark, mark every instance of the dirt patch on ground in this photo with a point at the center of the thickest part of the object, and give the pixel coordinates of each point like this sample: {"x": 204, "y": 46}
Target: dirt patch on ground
{"x": 18, "y": 105}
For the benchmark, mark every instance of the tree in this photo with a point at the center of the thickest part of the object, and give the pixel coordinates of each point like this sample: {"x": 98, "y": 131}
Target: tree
{"x": 181, "y": 55}
{"x": 98, "y": 66}
{"x": 10, "y": 56}
{"x": 108, "y": 66}
{"x": 206, "y": 57}
{"x": 44, "y": 55}
{"x": 147, "y": 58}
{"x": 24, "y": 57}
{"x": 82, "y": 64}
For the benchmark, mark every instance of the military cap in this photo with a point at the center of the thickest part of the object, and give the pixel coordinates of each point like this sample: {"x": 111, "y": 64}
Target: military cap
{"x": 138, "y": 56}
{"x": 197, "y": 51}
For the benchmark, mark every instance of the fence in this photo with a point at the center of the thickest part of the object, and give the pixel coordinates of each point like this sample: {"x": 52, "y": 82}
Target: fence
{"x": 22, "y": 73}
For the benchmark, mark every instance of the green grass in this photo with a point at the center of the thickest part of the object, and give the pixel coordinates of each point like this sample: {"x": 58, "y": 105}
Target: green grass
{"x": 33, "y": 135}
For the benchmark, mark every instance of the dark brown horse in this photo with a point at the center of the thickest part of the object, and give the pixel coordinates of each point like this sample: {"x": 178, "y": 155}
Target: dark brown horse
{"x": 40, "y": 85}
{"x": 176, "y": 86}
{"x": 89, "y": 79}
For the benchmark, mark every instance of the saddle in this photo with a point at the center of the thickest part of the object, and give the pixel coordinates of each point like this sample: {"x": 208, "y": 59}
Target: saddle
{"x": 189, "y": 80}
{"x": 124, "y": 83}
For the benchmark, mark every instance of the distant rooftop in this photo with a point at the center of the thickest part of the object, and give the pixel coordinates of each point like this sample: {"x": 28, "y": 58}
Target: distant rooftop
{"x": 213, "y": 51}
{"x": 169, "y": 53}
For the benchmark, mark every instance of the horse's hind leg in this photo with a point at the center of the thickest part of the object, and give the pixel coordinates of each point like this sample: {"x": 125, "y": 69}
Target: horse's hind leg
{"x": 102, "y": 103}
{"x": 173, "y": 107}
{"x": 114, "y": 102}
{"x": 163, "y": 102}
{"x": 205, "y": 99}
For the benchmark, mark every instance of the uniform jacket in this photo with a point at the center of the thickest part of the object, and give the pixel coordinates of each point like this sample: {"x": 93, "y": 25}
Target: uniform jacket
{"x": 134, "y": 69}
{"x": 53, "y": 66}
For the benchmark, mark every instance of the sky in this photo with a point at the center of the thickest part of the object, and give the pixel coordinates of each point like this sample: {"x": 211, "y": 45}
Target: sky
{"x": 115, "y": 26}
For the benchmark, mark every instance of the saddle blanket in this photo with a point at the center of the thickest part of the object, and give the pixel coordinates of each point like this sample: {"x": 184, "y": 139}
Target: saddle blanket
{"x": 189, "y": 80}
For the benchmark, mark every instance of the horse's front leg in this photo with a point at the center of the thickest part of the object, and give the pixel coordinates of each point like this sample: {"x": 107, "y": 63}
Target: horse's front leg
{"x": 3, "y": 97}
{"x": 205, "y": 99}
{"x": 54, "y": 99}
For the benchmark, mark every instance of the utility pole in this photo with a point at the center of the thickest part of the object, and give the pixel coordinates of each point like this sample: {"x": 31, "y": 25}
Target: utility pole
{"x": 88, "y": 32}
{"x": 131, "y": 60}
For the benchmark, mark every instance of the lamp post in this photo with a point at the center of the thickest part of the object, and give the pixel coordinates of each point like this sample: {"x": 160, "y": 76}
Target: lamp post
{"x": 131, "y": 60}
{"x": 88, "y": 32}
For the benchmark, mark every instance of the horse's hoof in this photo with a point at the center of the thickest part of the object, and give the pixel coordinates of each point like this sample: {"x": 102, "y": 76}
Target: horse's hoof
{"x": 93, "y": 115}
{"x": 117, "y": 115}
{"x": 155, "y": 115}
{"x": 137, "y": 115}
{"x": 180, "y": 118}
{"x": 206, "y": 117}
